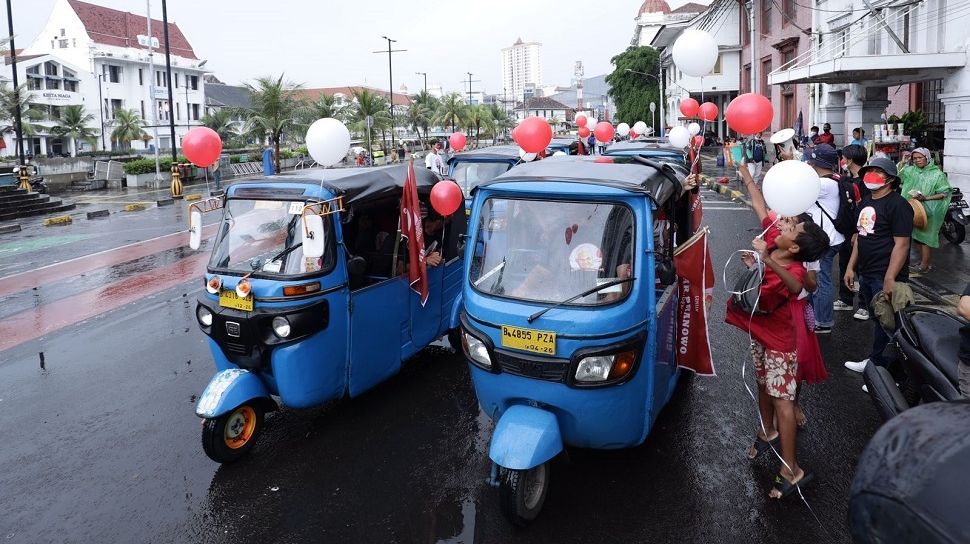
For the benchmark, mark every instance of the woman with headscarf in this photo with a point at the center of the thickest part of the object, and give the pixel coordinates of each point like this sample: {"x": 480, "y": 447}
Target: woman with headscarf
{"x": 925, "y": 182}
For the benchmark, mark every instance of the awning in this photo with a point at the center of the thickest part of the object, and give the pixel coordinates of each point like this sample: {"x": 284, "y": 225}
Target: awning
{"x": 884, "y": 69}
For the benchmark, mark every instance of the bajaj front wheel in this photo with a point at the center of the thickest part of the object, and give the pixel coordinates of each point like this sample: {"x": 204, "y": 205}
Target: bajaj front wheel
{"x": 227, "y": 438}
{"x": 523, "y": 492}
{"x": 953, "y": 231}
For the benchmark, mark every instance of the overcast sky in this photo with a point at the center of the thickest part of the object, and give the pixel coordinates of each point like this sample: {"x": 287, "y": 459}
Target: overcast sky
{"x": 329, "y": 43}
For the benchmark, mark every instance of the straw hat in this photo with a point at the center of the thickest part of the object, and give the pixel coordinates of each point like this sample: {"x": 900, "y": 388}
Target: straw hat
{"x": 919, "y": 213}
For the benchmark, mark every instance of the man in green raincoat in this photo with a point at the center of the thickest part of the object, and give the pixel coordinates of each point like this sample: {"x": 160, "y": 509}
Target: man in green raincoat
{"x": 925, "y": 182}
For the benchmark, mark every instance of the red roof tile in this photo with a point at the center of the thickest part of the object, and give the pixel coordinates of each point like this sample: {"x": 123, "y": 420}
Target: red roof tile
{"x": 314, "y": 94}
{"x": 691, "y": 7}
{"x": 119, "y": 28}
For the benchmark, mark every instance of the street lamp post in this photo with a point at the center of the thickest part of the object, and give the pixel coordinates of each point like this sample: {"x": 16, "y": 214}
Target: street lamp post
{"x": 660, "y": 83}
{"x": 176, "y": 181}
{"x": 653, "y": 115}
{"x": 101, "y": 109}
{"x": 23, "y": 176}
{"x": 425, "y": 74}
{"x": 390, "y": 81}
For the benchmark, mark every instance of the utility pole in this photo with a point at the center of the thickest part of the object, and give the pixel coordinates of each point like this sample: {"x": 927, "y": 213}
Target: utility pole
{"x": 151, "y": 91}
{"x": 390, "y": 81}
{"x": 425, "y": 74}
{"x": 751, "y": 30}
{"x": 22, "y": 175}
{"x": 101, "y": 109}
{"x": 470, "y": 86}
{"x": 176, "y": 180}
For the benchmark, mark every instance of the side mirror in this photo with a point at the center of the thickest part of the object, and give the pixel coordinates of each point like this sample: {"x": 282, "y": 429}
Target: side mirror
{"x": 313, "y": 241}
{"x": 195, "y": 229}
{"x": 356, "y": 266}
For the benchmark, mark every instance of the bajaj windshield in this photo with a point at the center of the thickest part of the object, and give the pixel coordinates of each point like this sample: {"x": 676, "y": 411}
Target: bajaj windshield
{"x": 550, "y": 251}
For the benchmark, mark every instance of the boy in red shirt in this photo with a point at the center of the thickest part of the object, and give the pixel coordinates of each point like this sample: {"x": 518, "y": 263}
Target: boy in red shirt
{"x": 774, "y": 341}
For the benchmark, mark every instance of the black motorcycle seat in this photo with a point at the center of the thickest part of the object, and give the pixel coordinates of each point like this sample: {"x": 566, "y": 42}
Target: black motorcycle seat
{"x": 939, "y": 338}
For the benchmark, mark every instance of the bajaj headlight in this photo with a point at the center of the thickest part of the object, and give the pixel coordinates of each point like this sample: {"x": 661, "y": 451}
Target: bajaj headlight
{"x": 475, "y": 350}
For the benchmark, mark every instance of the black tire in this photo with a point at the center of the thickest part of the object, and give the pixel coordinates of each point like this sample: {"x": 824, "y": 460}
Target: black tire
{"x": 911, "y": 391}
{"x": 954, "y": 232}
{"x": 229, "y": 437}
{"x": 454, "y": 339}
{"x": 523, "y": 492}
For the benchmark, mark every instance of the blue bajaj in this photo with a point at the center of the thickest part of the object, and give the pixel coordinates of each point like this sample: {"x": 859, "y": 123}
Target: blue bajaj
{"x": 305, "y": 302}
{"x": 471, "y": 168}
{"x": 570, "y": 313}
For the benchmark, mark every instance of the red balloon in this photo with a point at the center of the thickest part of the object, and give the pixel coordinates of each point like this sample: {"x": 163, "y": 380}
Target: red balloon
{"x": 707, "y": 111}
{"x": 534, "y": 134}
{"x": 202, "y": 146}
{"x": 634, "y": 135}
{"x": 457, "y": 141}
{"x": 584, "y": 132}
{"x": 698, "y": 140}
{"x": 446, "y": 197}
{"x": 604, "y": 131}
{"x": 581, "y": 120}
{"x": 749, "y": 113}
{"x": 689, "y": 107}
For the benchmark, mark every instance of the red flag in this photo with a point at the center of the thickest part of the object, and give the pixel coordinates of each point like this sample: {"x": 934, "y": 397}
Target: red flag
{"x": 696, "y": 211}
{"x": 695, "y": 282}
{"x": 413, "y": 231}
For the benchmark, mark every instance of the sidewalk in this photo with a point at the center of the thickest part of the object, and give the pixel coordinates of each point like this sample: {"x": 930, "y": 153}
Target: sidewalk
{"x": 943, "y": 284}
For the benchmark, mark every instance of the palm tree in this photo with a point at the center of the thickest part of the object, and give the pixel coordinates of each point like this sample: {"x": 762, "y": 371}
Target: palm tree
{"x": 275, "y": 107}
{"x": 222, "y": 121}
{"x": 10, "y": 102}
{"x": 368, "y": 103}
{"x": 431, "y": 104}
{"x": 500, "y": 119}
{"x": 478, "y": 117}
{"x": 127, "y": 125}
{"x": 73, "y": 123}
{"x": 419, "y": 116}
{"x": 451, "y": 111}
{"x": 323, "y": 107}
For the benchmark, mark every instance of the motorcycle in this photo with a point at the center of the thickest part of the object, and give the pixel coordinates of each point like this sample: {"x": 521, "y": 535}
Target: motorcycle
{"x": 954, "y": 227}
{"x": 38, "y": 185}
{"x": 928, "y": 343}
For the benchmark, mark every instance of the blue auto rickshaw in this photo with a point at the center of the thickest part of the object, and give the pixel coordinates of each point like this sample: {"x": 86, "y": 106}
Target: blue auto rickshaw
{"x": 471, "y": 168}
{"x": 305, "y": 302}
{"x": 569, "y": 313}
{"x": 569, "y": 146}
{"x": 653, "y": 150}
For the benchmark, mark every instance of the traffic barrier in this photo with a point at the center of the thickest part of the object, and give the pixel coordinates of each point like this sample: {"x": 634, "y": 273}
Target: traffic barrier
{"x": 98, "y": 213}
{"x": 9, "y": 228}
{"x": 193, "y": 197}
{"x": 134, "y": 207}
{"x": 58, "y": 220}
{"x": 165, "y": 202}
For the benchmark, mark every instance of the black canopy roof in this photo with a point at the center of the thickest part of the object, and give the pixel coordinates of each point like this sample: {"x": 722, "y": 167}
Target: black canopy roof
{"x": 493, "y": 153}
{"x": 358, "y": 185}
{"x": 660, "y": 181}
{"x": 639, "y": 145}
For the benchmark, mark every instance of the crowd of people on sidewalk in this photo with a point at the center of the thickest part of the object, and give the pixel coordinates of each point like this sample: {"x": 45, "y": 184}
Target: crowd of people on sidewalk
{"x": 869, "y": 212}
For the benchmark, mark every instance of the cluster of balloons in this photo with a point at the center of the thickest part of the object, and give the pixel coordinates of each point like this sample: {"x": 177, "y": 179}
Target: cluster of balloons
{"x": 202, "y": 146}
{"x": 707, "y": 111}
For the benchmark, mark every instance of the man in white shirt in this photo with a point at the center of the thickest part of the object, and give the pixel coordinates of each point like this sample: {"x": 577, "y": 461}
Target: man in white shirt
{"x": 825, "y": 159}
{"x": 433, "y": 161}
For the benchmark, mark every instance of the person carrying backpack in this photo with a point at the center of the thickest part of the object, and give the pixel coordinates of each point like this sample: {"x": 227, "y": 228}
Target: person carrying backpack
{"x": 754, "y": 155}
{"x": 827, "y": 212}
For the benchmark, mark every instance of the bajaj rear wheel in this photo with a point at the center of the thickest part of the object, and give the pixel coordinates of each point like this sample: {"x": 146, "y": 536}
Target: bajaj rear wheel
{"x": 523, "y": 492}
{"x": 227, "y": 438}
{"x": 953, "y": 231}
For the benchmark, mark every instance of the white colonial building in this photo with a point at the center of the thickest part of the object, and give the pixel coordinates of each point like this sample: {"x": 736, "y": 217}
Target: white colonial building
{"x": 522, "y": 69}
{"x": 99, "y": 57}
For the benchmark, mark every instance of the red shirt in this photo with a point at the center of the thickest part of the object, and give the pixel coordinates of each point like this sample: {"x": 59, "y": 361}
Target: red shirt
{"x": 825, "y": 138}
{"x": 775, "y": 331}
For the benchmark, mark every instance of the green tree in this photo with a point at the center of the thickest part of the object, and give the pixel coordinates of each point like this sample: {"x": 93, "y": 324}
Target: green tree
{"x": 631, "y": 91}
{"x": 127, "y": 125}
{"x": 451, "y": 111}
{"x": 501, "y": 122}
{"x": 478, "y": 117}
{"x": 10, "y": 102}
{"x": 321, "y": 108}
{"x": 369, "y": 103}
{"x": 73, "y": 123}
{"x": 421, "y": 114}
{"x": 275, "y": 107}
{"x": 222, "y": 121}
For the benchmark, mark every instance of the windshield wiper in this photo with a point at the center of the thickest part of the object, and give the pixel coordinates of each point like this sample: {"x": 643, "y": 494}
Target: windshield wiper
{"x": 585, "y": 293}
{"x": 284, "y": 253}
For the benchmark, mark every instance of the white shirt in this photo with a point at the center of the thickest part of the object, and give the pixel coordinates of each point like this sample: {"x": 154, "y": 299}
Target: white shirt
{"x": 828, "y": 197}
{"x": 434, "y": 163}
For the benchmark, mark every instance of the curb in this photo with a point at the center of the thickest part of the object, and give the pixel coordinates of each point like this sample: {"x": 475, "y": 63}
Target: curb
{"x": 134, "y": 207}
{"x": 726, "y": 191}
{"x": 59, "y": 220}
{"x": 9, "y": 228}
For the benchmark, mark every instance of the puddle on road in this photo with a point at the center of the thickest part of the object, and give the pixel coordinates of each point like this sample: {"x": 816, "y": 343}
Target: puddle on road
{"x": 466, "y": 533}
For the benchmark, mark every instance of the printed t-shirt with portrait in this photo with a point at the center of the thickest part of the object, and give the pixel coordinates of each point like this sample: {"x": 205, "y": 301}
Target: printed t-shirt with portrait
{"x": 774, "y": 331}
{"x": 879, "y": 220}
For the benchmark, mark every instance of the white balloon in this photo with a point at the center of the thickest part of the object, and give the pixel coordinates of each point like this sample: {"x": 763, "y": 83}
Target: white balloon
{"x": 679, "y": 137}
{"x": 623, "y": 129}
{"x": 529, "y": 157}
{"x": 327, "y": 141}
{"x": 559, "y": 154}
{"x": 591, "y": 123}
{"x": 791, "y": 187}
{"x": 695, "y": 52}
{"x": 694, "y": 129}
{"x": 640, "y": 127}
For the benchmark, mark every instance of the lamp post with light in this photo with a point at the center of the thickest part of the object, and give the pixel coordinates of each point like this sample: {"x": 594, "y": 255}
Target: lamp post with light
{"x": 661, "y": 84}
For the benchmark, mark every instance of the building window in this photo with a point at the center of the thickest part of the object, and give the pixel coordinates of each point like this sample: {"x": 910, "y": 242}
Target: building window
{"x": 62, "y": 33}
{"x": 193, "y": 82}
{"x": 114, "y": 74}
{"x": 160, "y": 79}
{"x": 765, "y": 17}
{"x": 175, "y": 76}
{"x": 50, "y": 69}
{"x": 788, "y": 55}
{"x": 788, "y": 13}
{"x": 107, "y": 110}
{"x": 178, "y": 110}
{"x": 717, "y": 65}
{"x": 746, "y": 81}
{"x": 141, "y": 80}
{"x": 765, "y": 70}
{"x": 116, "y": 105}
{"x": 195, "y": 112}
{"x": 70, "y": 86}
{"x": 53, "y": 84}
{"x": 930, "y": 103}
{"x": 142, "y": 109}
{"x": 33, "y": 84}
{"x": 62, "y": 44}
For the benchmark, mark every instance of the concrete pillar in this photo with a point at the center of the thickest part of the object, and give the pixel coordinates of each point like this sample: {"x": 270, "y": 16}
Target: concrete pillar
{"x": 833, "y": 112}
{"x": 864, "y": 107}
{"x": 956, "y": 133}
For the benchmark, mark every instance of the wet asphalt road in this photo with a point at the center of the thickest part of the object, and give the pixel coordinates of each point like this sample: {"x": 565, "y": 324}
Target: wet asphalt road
{"x": 101, "y": 444}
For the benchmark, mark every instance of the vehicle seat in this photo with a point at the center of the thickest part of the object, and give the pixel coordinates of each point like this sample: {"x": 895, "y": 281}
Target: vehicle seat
{"x": 939, "y": 338}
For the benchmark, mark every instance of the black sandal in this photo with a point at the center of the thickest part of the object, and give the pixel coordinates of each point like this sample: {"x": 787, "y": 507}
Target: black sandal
{"x": 786, "y": 488}
{"x": 761, "y": 445}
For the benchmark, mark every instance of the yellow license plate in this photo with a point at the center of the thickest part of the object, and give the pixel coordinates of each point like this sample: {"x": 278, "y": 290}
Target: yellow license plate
{"x": 229, "y": 299}
{"x": 543, "y": 342}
